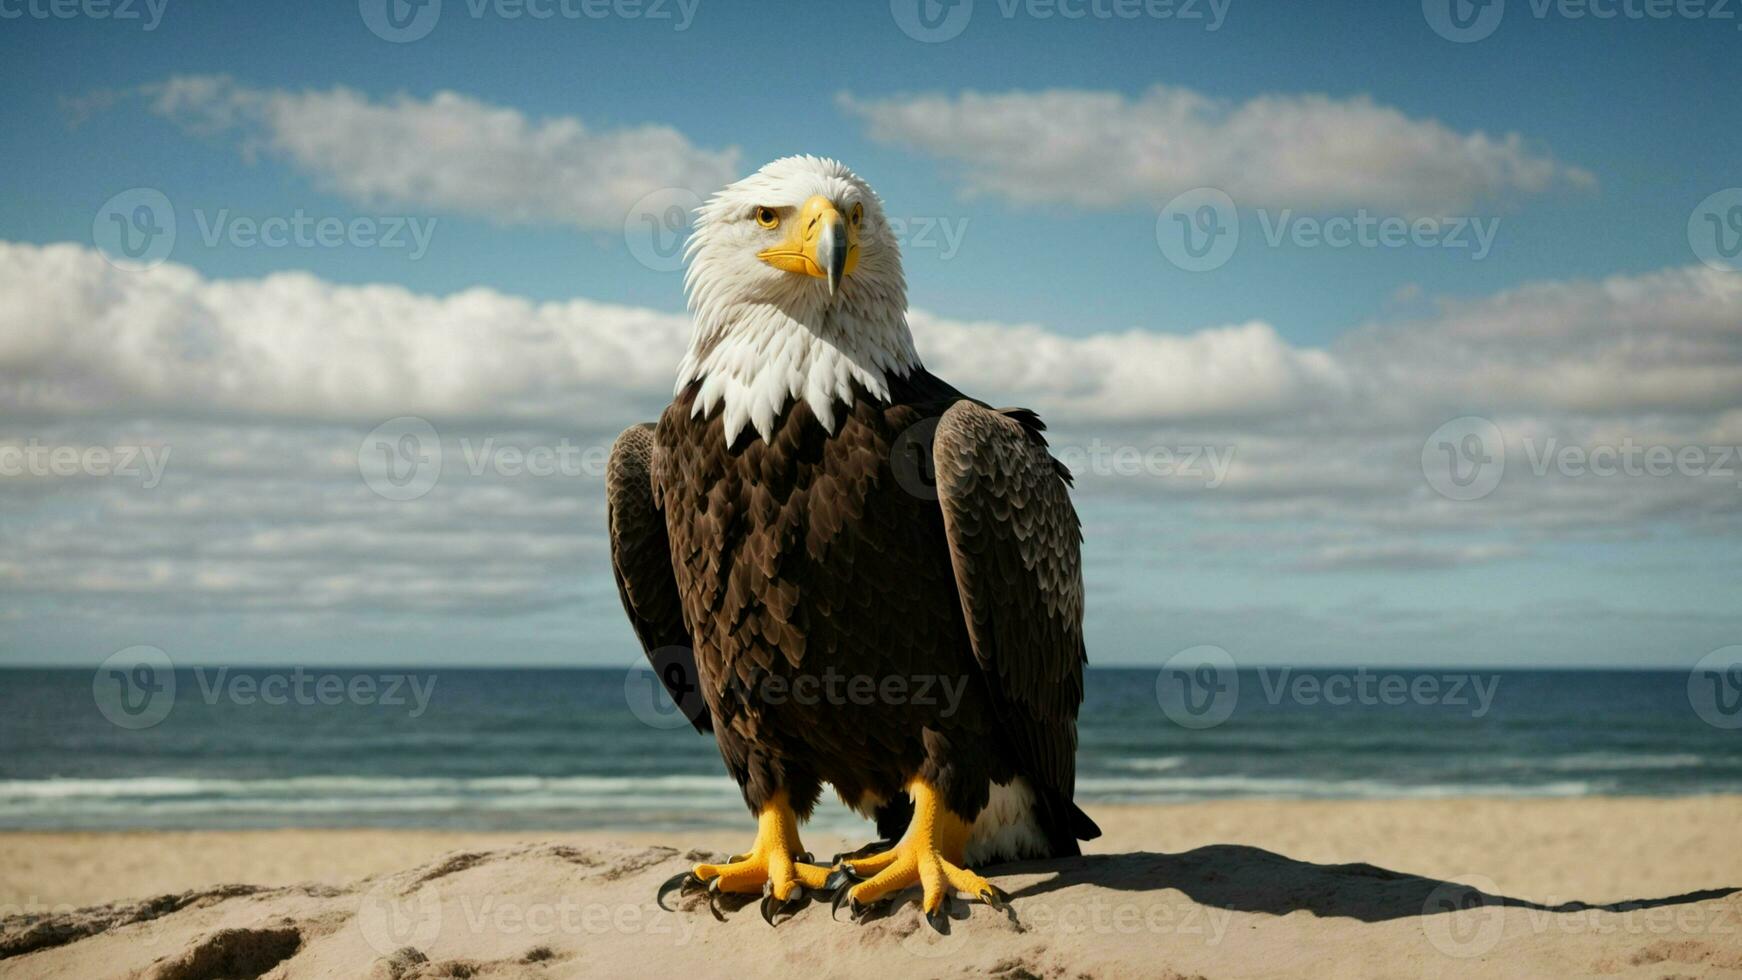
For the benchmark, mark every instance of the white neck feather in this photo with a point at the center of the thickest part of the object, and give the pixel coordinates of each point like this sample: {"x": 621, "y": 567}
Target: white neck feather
{"x": 754, "y": 358}
{"x": 765, "y": 338}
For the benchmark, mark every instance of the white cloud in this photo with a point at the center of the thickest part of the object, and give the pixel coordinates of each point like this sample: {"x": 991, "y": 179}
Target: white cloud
{"x": 450, "y": 152}
{"x": 79, "y": 336}
{"x": 1102, "y": 149}
{"x": 262, "y": 389}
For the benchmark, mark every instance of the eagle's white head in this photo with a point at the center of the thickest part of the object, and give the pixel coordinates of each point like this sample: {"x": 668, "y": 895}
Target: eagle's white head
{"x": 795, "y": 283}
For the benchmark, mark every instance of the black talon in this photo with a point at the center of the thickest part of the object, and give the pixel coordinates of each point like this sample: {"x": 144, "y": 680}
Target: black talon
{"x": 995, "y": 897}
{"x": 685, "y": 882}
{"x": 772, "y": 907}
{"x": 840, "y": 898}
{"x": 868, "y": 913}
{"x": 714, "y": 893}
{"x": 939, "y": 919}
{"x": 875, "y": 847}
{"x": 839, "y": 879}
{"x": 804, "y": 857}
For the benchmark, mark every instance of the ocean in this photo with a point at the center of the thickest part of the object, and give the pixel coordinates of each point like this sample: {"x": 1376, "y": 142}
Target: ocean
{"x": 574, "y": 749}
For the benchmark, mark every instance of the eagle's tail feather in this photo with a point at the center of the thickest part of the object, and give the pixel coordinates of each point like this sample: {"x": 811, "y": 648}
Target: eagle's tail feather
{"x": 1066, "y": 824}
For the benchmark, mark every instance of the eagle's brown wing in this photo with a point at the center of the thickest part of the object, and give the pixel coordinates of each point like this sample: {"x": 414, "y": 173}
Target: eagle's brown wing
{"x": 1015, "y": 544}
{"x": 641, "y": 561}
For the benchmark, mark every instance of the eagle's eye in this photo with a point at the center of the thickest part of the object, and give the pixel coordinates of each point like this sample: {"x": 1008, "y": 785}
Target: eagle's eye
{"x": 858, "y": 214}
{"x": 766, "y": 217}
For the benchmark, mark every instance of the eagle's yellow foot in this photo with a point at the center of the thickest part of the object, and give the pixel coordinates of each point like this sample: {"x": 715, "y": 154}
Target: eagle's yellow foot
{"x": 929, "y": 855}
{"x": 776, "y": 866}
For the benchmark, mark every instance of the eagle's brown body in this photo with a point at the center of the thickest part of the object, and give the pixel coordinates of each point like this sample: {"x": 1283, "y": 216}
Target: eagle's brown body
{"x": 849, "y": 624}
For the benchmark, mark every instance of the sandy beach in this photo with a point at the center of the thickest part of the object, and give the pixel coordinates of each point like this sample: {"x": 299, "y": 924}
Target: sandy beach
{"x": 1465, "y": 887}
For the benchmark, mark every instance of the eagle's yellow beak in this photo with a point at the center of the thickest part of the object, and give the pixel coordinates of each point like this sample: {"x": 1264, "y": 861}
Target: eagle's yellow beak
{"x": 819, "y": 242}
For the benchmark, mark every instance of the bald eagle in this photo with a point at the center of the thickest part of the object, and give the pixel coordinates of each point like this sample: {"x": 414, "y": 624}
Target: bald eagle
{"x": 847, "y": 570}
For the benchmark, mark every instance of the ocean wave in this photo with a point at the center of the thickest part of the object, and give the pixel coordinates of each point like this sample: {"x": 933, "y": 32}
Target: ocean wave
{"x": 1155, "y": 764}
{"x": 1172, "y": 788}
{"x": 151, "y": 787}
{"x": 1612, "y": 761}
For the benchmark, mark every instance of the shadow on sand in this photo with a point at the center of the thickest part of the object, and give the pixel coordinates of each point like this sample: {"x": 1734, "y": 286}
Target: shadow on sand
{"x": 1251, "y": 879}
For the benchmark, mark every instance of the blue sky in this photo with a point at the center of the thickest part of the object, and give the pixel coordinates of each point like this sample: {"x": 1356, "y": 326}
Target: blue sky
{"x": 1630, "y": 119}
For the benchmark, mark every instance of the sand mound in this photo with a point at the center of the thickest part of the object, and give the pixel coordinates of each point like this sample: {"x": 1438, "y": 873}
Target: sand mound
{"x": 548, "y": 911}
